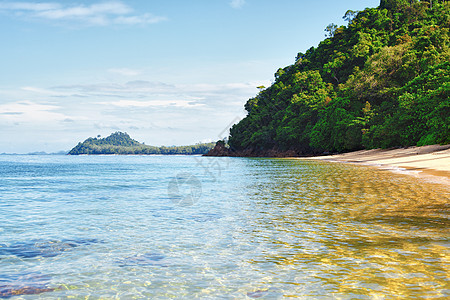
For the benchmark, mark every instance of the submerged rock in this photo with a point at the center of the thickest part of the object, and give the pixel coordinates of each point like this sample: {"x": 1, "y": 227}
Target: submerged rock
{"x": 265, "y": 293}
{"x": 8, "y": 291}
{"x": 201, "y": 217}
{"x": 24, "y": 284}
{"x": 42, "y": 248}
{"x": 258, "y": 293}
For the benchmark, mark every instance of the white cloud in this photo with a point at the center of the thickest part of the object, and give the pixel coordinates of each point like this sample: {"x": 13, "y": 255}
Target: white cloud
{"x": 102, "y": 14}
{"x": 237, "y": 3}
{"x": 154, "y": 103}
{"x": 125, "y": 71}
{"x": 29, "y": 6}
{"x": 158, "y": 87}
{"x": 38, "y": 90}
{"x": 141, "y": 93}
{"x": 155, "y": 112}
{"x": 139, "y": 20}
{"x": 116, "y": 89}
{"x": 81, "y": 11}
{"x": 30, "y": 112}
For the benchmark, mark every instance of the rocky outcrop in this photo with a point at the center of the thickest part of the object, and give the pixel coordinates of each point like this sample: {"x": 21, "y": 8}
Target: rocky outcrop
{"x": 221, "y": 150}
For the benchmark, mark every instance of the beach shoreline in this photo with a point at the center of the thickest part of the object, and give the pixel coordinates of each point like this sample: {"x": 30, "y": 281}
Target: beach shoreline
{"x": 432, "y": 160}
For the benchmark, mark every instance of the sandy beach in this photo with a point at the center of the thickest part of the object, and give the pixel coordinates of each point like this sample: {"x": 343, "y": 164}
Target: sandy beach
{"x": 430, "y": 160}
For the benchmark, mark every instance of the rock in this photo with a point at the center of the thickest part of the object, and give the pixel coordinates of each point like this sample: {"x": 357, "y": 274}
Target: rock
{"x": 8, "y": 291}
{"x": 219, "y": 150}
{"x": 23, "y": 284}
{"x": 42, "y": 248}
{"x": 258, "y": 293}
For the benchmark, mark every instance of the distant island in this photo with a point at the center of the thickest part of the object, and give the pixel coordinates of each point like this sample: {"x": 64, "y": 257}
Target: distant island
{"x": 37, "y": 153}
{"x": 46, "y": 153}
{"x": 382, "y": 81}
{"x": 121, "y": 143}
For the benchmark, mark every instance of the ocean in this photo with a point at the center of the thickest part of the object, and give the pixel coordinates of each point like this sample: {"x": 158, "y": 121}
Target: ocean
{"x": 187, "y": 227}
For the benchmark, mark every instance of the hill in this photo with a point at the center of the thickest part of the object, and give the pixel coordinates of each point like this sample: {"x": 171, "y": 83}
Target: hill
{"x": 122, "y": 143}
{"x": 381, "y": 81}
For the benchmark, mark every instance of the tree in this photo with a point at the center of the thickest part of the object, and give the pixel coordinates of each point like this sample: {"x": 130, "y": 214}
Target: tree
{"x": 121, "y": 143}
{"x": 382, "y": 81}
{"x": 330, "y": 30}
{"x": 350, "y": 15}
{"x": 394, "y": 5}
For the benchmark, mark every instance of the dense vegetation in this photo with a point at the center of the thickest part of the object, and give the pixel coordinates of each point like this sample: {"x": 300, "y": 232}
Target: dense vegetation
{"x": 381, "y": 81}
{"x": 122, "y": 143}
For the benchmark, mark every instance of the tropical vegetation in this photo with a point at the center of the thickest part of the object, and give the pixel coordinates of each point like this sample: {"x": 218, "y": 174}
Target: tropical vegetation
{"x": 381, "y": 81}
{"x": 122, "y": 143}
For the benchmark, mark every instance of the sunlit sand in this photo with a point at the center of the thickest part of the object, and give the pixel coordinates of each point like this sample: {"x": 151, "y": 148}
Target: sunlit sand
{"x": 430, "y": 160}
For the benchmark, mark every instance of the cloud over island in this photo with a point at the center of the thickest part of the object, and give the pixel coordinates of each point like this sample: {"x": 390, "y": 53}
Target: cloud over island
{"x": 95, "y": 14}
{"x": 155, "y": 112}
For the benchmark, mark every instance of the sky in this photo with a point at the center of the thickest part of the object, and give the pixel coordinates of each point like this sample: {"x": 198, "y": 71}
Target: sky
{"x": 167, "y": 72}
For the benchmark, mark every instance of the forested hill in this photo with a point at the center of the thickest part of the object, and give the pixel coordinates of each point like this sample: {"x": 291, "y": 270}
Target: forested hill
{"x": 381, "y": 81}
{"x": 122, "y": 143}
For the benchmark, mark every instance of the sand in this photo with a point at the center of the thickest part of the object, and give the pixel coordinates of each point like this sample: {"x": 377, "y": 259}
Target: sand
{"x": 430, "y": 160}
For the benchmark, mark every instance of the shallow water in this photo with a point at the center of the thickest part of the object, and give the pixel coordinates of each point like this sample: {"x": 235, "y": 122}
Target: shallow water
{"x": 219, "y": 228}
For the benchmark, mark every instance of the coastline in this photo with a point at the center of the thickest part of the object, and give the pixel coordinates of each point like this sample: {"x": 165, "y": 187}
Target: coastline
{"x": 433, "y": 160}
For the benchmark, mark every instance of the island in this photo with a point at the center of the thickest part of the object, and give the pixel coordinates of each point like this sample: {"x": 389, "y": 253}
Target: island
{"x": 120, "y": 143}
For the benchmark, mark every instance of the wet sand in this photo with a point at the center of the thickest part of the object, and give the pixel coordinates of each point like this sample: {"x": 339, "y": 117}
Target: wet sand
{"x": 430, "y": 160}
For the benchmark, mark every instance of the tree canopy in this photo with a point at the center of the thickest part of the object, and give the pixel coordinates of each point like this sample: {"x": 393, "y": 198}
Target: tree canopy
{"x": 381, "y": 81}
{"x": 122, "y": 143}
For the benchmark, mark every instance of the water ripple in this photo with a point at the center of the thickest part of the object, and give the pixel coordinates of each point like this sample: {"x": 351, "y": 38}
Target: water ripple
{"x": 262, "y": 228}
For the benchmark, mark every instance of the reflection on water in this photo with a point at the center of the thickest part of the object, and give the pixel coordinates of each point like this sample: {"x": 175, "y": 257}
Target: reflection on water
{"x": 352, "y": 230}
{"x": 264, "y": 229}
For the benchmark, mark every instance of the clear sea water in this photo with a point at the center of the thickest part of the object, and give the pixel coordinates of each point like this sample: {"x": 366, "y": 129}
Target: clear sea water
{"x": 185, "y": 227}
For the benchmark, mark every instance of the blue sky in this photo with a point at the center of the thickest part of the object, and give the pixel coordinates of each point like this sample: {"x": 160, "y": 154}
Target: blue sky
{"x": 170, "y": 72}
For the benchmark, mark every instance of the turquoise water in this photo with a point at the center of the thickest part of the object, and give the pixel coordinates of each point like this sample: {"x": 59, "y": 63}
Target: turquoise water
{"x": 218, "y": 228}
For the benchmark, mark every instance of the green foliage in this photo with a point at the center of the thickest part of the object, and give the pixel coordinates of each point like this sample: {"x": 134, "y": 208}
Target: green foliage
{"x": 330, "y": 30}
{"x": 121, "y": 143}
{"x": 350, "y": 15}
{"x": 381, "y": 81}
{"x": 421, "y": 115}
